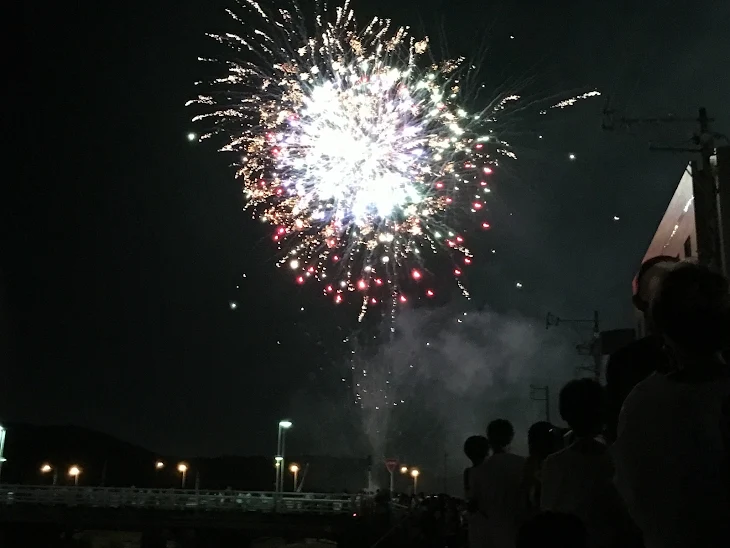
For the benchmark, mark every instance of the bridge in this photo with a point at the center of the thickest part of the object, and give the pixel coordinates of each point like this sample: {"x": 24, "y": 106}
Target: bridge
{"x": 180, "y": 500}
{"x": 30, "y": 509}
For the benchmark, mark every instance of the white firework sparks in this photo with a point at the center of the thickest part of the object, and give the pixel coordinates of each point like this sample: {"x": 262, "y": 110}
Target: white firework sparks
{"x": 355, "y": 149}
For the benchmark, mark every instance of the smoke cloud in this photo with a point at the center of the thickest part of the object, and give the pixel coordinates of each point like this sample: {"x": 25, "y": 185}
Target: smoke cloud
{"x": 441, "y": 376}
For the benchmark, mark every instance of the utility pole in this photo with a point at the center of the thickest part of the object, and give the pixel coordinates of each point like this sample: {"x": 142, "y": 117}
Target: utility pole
{"x": 711, "y": 250}
{"x": 704, "y": 188}
{"x": 591, "y": 347}
{"x": 446, "y": 473}
{"x": 535, "y": 390}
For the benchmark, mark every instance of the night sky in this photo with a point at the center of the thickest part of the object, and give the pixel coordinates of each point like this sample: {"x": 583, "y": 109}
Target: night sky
{"x": 127, "y": 242}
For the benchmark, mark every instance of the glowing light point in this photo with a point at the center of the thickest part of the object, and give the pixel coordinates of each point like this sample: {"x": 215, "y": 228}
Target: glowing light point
{"x": 616, "y": 217}
{"x": 416, "y": 274}
{"x": 518, "y": 285}
{"x": 192, "y": 136}
{"x": 486, "y": 226}
{"x": 294, "y": 264}
{"x": 457, "y": 272}
{"x": 402, "y": 299}
{"x": 362, "y": 285}
{"x": 429, "y": 293}
{"x": 338, "y": 299}
{"x": 233, "y": 305}
{"x": 571, "y": 156}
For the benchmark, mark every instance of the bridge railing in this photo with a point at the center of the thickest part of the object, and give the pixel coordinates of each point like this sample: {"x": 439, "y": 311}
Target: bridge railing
{"x": 180, "y": 499}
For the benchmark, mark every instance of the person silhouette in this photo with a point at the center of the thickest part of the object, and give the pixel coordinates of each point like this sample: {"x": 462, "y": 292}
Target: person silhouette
{"x": 496, "y": 487}
{"x": 542, "y": 441}
{"x": 636, "y": 361}
{"x": 476, "y": 449}
{"x": 671, "y": 451}
{"x": 578, "y": 480}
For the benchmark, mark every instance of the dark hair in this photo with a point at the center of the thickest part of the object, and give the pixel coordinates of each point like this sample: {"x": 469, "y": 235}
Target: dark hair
{"x": 692, "y": 309}
{"x": 476, "y": 448}
{"x": 582, "y": 406}
{"x": 647, "y": 265}
{"x": 500, "y": 433}
{"x": 542, "y": 439}
{"x": 558, "y": 529}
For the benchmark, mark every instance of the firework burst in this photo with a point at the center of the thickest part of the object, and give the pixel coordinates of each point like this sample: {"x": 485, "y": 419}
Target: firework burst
{"x": 353, "y": 146}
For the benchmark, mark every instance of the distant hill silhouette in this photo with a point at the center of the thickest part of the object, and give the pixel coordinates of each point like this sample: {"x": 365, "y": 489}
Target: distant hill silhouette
{"x": 106, "y": 460}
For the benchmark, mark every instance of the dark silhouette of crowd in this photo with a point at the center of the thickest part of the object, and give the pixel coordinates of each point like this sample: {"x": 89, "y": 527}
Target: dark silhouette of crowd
{"x": 647, "y": 461}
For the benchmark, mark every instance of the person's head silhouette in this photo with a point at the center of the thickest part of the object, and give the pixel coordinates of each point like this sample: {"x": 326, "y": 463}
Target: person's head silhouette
{"x": 648, "y": 280}
{"x": 542, "y": 440}
{"x": 582, "y": 406}
{"x": 500, "y": 434}
{"x": 476, "y": 449}
{"x": 692, "y": 313}
{"x": 553, "y": 529}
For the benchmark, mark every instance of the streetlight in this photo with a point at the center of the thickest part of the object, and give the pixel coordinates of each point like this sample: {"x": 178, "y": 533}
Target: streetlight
{"x": 2, "y": 447}
{"x": 284, "y": 425}
{"x": 414, "y": 474}
{"x": 75, "y": 472}
{"x": 159, "y": 465}
{"x": 46, "y": 468}
{"x": 403, "y": 469}
{"x": 277, "y": 467}
{"x": 183, "y": 469}
{"x": 294, "y": 469}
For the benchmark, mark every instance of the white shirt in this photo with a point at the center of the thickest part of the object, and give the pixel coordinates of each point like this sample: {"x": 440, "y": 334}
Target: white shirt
{"x": 671, "y": 462}
{"x": 578, "y": 481}
{"x": 496, "y": 486}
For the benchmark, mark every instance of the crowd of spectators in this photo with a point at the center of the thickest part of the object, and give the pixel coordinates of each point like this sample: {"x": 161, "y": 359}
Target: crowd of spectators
{"x": 647, "y": 461}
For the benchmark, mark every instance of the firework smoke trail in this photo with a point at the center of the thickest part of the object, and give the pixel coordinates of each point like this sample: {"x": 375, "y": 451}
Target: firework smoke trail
{"x": 355, "y": 150}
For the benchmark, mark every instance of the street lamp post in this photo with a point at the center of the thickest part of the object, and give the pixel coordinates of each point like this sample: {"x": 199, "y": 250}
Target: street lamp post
{"x": 2, "y": 448}
{"x": 75, "y": 472}
{"x": 414, "y": 474}
{"x": 48, "y": 468}
{"x": 277, "y": 469}
{"x": 159, "y": 465}
{"x": 294, "y": 469}
{"x": 183, "y": 469}
{"x": 284, "y": 425}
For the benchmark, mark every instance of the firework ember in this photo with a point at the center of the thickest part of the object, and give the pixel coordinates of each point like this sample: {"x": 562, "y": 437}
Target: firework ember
{"x": 354, "y": 147}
